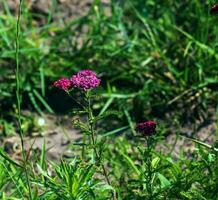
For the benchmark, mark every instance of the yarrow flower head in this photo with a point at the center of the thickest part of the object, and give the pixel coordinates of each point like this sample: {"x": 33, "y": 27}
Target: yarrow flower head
{"x": 63, "y": 83}
{"x": 147, "y": 128}
{"x": 85, "y": 79}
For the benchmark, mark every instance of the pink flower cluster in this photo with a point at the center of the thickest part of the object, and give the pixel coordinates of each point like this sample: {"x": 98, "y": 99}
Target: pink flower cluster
{"x": 84, "y": 79}
{"x": 147, "y": 128}
{"x": 63, "y": 84}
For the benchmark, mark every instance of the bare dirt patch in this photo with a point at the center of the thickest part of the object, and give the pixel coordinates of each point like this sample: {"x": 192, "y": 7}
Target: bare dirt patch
{"x": 55, "y": 132}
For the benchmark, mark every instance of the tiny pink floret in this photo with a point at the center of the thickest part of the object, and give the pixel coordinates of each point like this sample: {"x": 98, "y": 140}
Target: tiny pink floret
{"x": 63, "y": 83}
{"x": 85, "y": 79}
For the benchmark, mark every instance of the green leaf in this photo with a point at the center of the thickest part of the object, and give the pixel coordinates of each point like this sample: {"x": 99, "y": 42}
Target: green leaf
{"x": 107, "y": 104}
{"x": 165, "y": 183}
{"x": 106, "y": 114}
{"x": 2, "y": 154}
{"x": 115, "y": 131}
{"x": 131, "y": 163}
{"x": 155, "y": 162}
{"x": 201, "y": 143}
{"x": 211, "y": 157}
{"x": 43, "y": 101}
{"x": 130, "y": 121}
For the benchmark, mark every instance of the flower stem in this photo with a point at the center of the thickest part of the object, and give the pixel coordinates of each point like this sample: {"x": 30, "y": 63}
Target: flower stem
{"x": 93, "y": 141}
{"x": 149, "y": 168}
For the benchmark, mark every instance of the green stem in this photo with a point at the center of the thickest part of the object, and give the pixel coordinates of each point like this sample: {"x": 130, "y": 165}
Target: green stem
{"x": 17, "y": 74}
{"x": 93, "y": 140}
{"x": 149, "y": 168}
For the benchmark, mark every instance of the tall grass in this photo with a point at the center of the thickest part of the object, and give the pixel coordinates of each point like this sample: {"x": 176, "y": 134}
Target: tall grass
{"x": 17, "y": 74}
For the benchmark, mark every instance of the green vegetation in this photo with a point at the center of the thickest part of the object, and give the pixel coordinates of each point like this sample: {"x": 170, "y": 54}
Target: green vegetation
{"x": 156, "y": 60}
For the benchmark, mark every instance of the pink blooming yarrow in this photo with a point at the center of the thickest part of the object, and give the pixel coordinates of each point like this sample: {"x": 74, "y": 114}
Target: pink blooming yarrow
{"x": 63, "y": 83}
{"x": 85, "y": 79}
{"x": 147, "y": 128}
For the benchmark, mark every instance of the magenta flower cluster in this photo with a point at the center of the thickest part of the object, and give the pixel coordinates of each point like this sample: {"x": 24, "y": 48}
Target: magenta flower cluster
{"x": 147, "y": 128}
{"x": 63, "y": 83}
{"x": 84, "y": 79}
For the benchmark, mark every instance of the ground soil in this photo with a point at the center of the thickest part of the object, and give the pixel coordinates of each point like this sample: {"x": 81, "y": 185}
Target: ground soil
{"x": 55, "y": 132}
{"x": 64, "y": 9}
